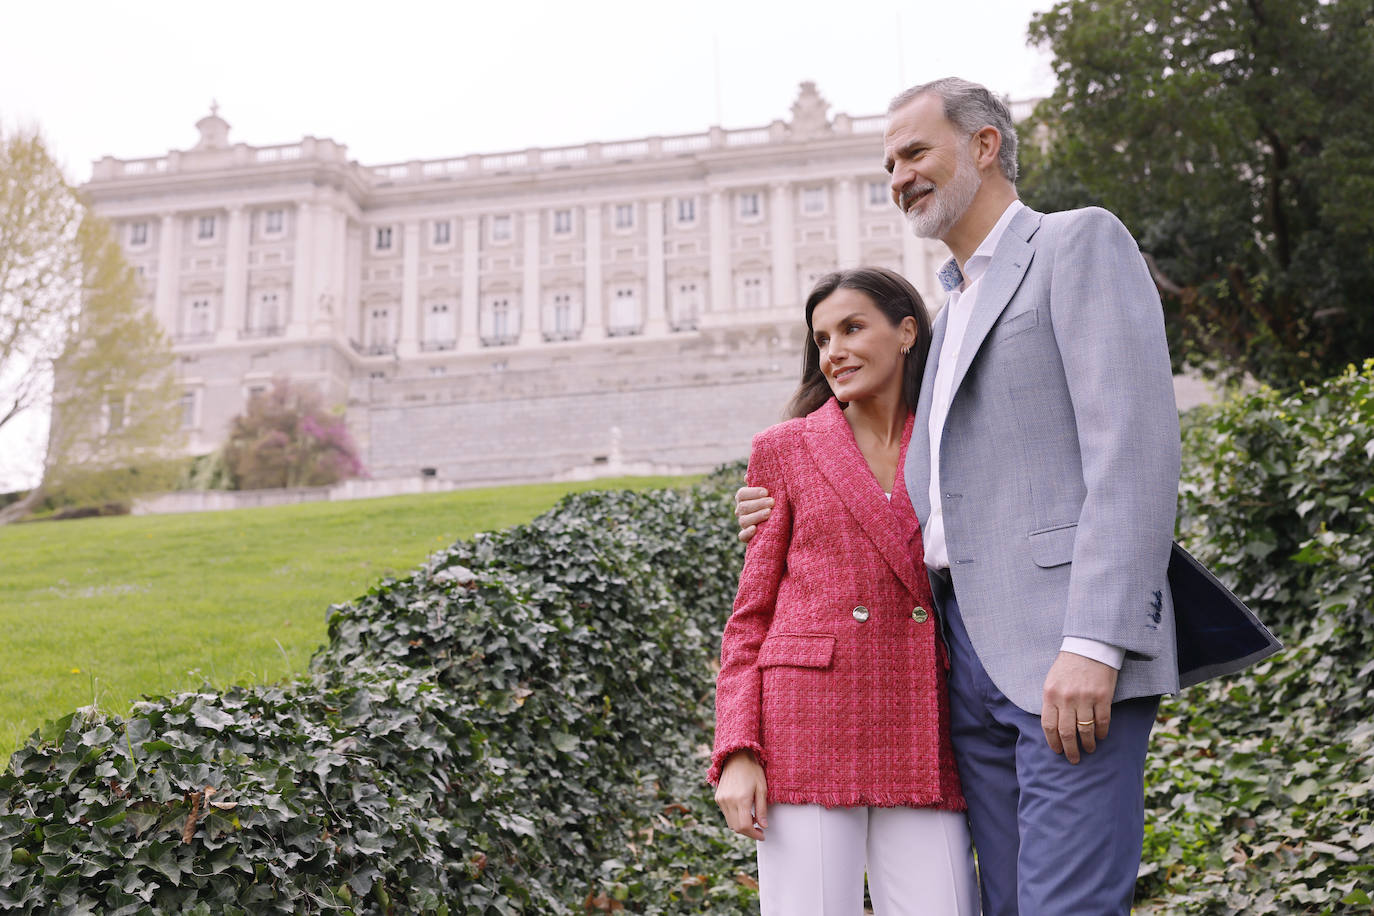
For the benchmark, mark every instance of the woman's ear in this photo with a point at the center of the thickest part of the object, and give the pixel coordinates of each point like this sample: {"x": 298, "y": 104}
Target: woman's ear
{"x": 910, "y": 334}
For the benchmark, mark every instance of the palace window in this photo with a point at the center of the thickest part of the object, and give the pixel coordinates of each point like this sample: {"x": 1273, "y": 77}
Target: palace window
{"x": 877, "y": 193}
{"x": 382, "y": 240}
{"x": 624, "y": 311}
{"x": 501, "y": 228}
{"x": 138, "y": 234}
{"x": 686, "y": 306}
{"x": 624, "y": 216}
{"x": 188, "y": 409}
{"x": 380, "y": 336}
{"x": 686, "y": 210}
{"x": 750, "y": 207}
{"x": 813, "y": 200}
{"x": 266, "y": 318}
{"x": 752, "y": 292}
{"x": 501, "y": 322}
{"x": 200, "y": 318}
{"x": 443, "y": 232}
{"x": 562, "y": 222}
{"x": 273, "y": 222}
{"x": 439, "y": 330}
{"x": 205, "y": 228}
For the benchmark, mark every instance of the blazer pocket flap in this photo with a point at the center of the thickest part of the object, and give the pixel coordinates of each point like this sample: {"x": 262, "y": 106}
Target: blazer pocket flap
{"x": 797, "y": 650}
{"x": 1011, "y": 325}
{"x": 1053, "y": 546}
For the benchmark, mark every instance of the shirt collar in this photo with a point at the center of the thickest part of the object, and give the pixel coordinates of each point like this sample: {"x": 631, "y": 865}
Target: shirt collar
{"x": 951, "y": 277}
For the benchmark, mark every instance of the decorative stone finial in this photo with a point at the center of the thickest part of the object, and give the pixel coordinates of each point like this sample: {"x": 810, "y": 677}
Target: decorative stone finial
{"x": 808, "y": 113}
{"x": 214, "y": 130}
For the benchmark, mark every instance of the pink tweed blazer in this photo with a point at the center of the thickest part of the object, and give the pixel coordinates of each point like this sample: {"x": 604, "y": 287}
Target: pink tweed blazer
{"x": 831, "y": 669}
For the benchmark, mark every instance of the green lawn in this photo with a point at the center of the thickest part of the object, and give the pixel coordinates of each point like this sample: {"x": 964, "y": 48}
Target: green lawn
{"x": 105, "y": 610}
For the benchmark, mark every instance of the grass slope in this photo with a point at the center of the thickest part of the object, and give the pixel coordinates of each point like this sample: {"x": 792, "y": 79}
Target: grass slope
{"x": 105, "y": 610}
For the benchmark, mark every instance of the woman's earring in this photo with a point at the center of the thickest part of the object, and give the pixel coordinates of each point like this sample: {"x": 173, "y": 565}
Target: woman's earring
{"x": 906, "y": 350}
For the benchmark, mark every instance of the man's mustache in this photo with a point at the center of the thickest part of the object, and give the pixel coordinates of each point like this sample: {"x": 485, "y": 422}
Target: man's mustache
{"x": 907, "y": 196}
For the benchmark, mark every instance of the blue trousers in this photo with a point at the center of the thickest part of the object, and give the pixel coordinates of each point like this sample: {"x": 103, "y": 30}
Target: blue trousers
{"x": 1052, "y": 838}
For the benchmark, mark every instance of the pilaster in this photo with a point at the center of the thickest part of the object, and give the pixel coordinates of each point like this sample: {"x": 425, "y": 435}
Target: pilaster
{"x": 593, "y": 325}
{"x": 235, "y": 276}
{"x": 720, "y": 254}
{"x": 656, "y": 320}
{"x": 302, "y": 274}
{"x": 846, "y": 224}
{"x": 168, "y": 273}
{"x": 409, "y": 344}
{"x": 468, "y": 339}
{"x": 529, "y": 294}
{"x": 783, "y": 242}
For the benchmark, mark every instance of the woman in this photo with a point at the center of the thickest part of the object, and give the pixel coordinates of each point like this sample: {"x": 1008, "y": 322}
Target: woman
{"x": 832, "y": 735}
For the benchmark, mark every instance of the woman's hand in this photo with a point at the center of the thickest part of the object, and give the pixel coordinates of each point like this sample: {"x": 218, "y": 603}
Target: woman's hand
{"x": 752, "y": 506}
{"x": 743, "y": 794}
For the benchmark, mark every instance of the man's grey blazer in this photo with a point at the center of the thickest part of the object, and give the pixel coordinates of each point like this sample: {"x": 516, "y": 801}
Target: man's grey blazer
{"x": 1059, "y": 459}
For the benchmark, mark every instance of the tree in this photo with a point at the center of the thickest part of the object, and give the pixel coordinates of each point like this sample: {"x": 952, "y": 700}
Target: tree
{"x": 286, "y": 438}
{"x": 1236, "y": 139}
{"x": 74, "y": 340}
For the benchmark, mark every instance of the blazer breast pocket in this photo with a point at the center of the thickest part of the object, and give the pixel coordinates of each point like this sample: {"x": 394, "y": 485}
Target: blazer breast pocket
{"x": 1051, "y": 547}
{"x": 1014, "y": 325}
{"x": 797, "y": 650}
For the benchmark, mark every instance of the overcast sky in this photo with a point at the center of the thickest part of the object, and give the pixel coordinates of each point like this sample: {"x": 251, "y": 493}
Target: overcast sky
{"x": 401, "y": 79}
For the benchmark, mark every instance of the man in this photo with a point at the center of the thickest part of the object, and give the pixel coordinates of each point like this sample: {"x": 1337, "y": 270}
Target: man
{"x": 1044, "y": 471}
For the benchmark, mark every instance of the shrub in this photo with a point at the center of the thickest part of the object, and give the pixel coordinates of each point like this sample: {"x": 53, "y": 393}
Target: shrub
{"x": 1261, "y": 787}
{"x": 519, "y": 726}
{"x": 522, "y": 724}
{"x": 287, "y": 439}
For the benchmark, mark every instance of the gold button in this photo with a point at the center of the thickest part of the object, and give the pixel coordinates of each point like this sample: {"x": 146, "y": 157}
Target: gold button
{"x": 919, "y": 615}
{"x": 861, "y": 613}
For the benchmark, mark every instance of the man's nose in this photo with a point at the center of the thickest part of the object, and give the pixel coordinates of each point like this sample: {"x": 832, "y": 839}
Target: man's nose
{"x": 901, "y": 177}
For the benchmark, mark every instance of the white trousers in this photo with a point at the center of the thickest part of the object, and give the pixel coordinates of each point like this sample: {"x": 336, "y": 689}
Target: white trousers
{"x": 919, "y": 862}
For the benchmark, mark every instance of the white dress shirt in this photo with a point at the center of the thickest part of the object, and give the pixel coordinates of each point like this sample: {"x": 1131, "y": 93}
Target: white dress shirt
{"x": 962, "y": 300}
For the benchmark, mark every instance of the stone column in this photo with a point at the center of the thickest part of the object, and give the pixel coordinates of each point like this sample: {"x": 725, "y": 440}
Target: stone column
{"x": 327, "y": 287}
{"x": 409, "y": 344}
{"x": 913, "y": 263}
{"x": 593, "y": 324}
{"x": 468, "y": 339}
{"x": 353, "y": 265}
{"x": 846, "y": 224}
{"x": 235, "y": 276}
{"x": 783, "y": 240}
{"x": 656, "y": 319}
{"x": 529, "y": 294}
{"x": 302, "y": 274}
{"x": 165, "y": 303}
{"x": 721, "y": 300}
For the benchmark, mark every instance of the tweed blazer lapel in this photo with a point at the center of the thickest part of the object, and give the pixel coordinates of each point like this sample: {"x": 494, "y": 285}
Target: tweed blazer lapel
{"x": 1009, "y": 264}
{"x": 889, "y": 526}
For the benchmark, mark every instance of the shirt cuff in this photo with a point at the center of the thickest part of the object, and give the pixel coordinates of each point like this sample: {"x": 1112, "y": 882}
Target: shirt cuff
{"x": 1102, "y": 652}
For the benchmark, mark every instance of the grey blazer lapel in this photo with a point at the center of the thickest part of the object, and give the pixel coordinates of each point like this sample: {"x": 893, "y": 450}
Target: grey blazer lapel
{"x": 1009, "y": 264}
{"x": 917, "y": 470}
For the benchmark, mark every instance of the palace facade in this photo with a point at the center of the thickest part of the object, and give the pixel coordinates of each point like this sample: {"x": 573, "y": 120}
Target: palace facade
{"x": 629, "y": 305}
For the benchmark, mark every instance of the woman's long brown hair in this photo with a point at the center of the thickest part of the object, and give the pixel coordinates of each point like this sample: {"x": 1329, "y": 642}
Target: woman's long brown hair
{"x": 895, "y": 298}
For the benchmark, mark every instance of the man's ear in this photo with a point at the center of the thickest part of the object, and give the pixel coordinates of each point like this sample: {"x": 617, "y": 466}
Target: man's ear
{"x": 989, "y": 146}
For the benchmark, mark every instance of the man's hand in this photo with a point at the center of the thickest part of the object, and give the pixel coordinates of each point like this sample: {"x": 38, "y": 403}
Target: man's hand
{"x": 1077, "y": 704}
{"x": 743, "y": 794}
{"x": 752, "y": 505}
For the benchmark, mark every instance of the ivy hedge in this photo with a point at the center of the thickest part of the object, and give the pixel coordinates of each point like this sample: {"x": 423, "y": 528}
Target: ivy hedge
{"x": 521, "y": 725}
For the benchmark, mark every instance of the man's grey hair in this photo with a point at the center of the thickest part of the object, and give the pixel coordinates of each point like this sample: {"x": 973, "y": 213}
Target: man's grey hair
{"x": 970, "y": 107}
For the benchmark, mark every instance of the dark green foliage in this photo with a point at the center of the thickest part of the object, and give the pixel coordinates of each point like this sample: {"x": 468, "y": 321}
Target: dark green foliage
{"x": 1262, "y": 786}
{"x": 1236, "y": 140}
{"x": 522, "y": 724}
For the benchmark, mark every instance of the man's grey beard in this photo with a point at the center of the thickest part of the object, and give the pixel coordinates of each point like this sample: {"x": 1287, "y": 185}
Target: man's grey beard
{"x": 947, "y": 205}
